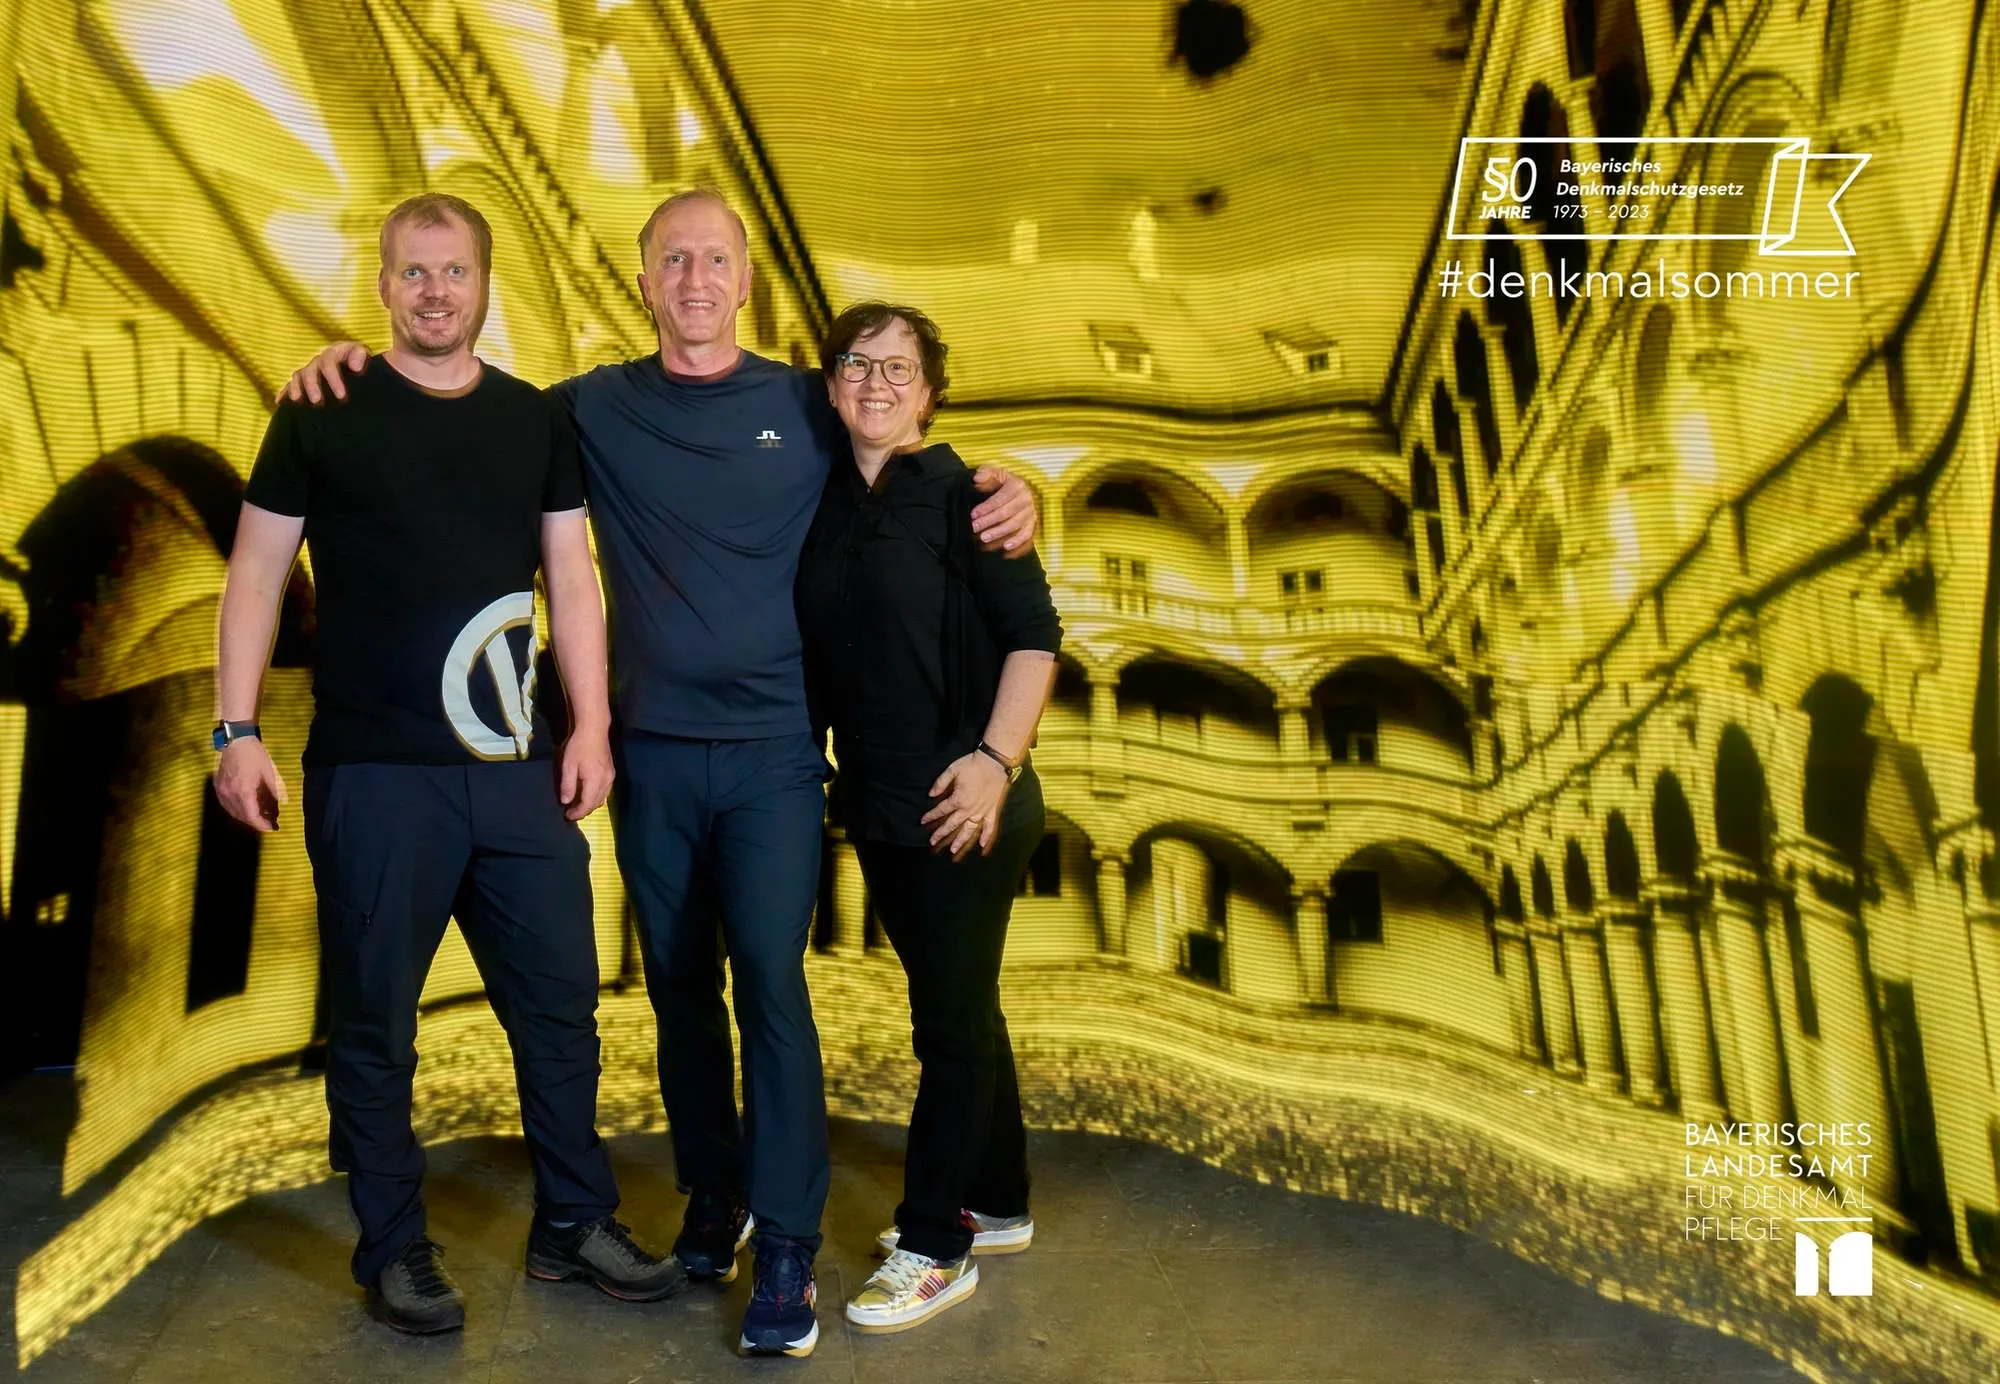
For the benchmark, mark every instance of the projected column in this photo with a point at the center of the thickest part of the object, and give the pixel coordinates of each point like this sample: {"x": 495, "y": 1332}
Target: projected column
{"x": 1111, "y": 898}
{"x": 1520, "y": 988}
{"x": 1107, "y": 745}
{"x": 1683, "y": 1007}
{"x": 1983, "y": 922}
{"x": 1583, "y": 952}
{"x": 1626, "y": 948}
{"x": 1554, "y": 986}
{"x": 1315, "y": 956}
{"x": 1740, "y": 991}
{"x": 1841, "y": 1006}
{"x": 1294, "y": 732}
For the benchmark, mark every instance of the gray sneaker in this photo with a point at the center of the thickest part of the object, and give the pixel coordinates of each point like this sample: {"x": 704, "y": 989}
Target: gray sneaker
{"x": 990, "y": 1234}
{"x": 415, "y": 1295}
{"x": 602, "y": 1252}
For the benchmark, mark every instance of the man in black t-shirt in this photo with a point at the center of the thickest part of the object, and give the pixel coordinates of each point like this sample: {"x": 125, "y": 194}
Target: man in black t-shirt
{"x": 430, "y": 503}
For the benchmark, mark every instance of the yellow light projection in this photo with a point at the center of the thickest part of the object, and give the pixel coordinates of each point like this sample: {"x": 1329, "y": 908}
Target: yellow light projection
{"x": 1527, "y": 747}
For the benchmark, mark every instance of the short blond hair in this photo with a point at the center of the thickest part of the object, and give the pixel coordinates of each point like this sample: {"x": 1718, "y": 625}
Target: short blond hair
{"x": 440, "y": 209}
{"x": 683, "y": 199}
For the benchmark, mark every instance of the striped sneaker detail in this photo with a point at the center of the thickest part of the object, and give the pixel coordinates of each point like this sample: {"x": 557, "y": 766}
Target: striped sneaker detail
{"x": 909, "y": 1289}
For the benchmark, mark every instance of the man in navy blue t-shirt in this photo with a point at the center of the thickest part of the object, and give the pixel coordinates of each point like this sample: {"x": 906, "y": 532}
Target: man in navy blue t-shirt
{"x": 703, "y": 465}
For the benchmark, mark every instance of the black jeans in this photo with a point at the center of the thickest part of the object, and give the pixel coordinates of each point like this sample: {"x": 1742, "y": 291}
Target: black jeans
{"x": 397, "y": 850}
{"x": 719, "y": 842}
{"x": 948, "y": 921}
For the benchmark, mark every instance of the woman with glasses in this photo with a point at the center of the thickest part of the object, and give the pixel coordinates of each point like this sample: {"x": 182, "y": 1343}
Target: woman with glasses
{"x": 931, "y": 660}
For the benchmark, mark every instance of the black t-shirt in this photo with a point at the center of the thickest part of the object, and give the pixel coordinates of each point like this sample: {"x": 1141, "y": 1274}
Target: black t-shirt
{"x": 907, "y": 623}
{"x": 423, "y": 516}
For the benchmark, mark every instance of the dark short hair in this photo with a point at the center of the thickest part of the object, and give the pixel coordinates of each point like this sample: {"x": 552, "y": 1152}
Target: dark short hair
{"x": 865, "y": 319}
{"x": 439, "y": 209}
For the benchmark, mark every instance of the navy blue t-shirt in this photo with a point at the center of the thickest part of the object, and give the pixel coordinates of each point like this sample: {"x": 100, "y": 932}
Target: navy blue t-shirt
{"x": 701, "y": 493}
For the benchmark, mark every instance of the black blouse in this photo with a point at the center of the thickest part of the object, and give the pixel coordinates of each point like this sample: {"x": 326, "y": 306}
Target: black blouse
{"x": 906, "y": 623}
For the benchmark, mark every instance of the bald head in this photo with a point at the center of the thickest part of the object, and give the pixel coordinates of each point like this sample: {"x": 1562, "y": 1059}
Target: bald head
{"x": 702, "y": 197}
{"x": 694, "y": 276}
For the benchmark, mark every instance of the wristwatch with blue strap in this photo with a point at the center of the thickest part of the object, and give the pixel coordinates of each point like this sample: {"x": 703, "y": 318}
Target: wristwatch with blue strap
{"x": 228, "y": 732}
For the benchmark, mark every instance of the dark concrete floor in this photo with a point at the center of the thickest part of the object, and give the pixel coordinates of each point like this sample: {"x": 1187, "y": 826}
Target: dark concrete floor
{"x": 1146, "y": 1267}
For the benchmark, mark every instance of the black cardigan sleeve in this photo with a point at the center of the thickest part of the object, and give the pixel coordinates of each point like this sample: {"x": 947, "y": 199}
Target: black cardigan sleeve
{"x": 1012, "y": 592}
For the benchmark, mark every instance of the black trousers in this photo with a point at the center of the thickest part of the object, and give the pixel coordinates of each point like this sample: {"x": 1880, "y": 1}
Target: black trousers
{"x": 719, "y": 842}
{"x": 397, "y": 850}
{"x": 967, "y": 1146}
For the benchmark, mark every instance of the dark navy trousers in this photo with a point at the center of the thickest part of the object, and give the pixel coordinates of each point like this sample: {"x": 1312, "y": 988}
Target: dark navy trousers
{"x": 719, "y": 843}
{"x": 397, "y": 850}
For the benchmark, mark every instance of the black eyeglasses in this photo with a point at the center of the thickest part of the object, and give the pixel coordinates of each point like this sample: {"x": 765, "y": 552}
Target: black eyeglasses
{"x": 855, "y": 368}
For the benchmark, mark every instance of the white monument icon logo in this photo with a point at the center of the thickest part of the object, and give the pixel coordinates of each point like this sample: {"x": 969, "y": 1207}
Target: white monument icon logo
{"x": 1850, "y": 1265}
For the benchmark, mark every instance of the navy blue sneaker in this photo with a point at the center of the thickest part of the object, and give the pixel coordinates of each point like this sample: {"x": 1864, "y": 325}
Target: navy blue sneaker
{"x": 780, "y": 1320}
{"x": 713, "y": 1228}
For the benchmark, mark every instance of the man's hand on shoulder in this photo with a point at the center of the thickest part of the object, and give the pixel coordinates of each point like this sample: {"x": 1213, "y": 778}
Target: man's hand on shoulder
{"x": 321, "y": 377}
{"x": 1007, "y": 519}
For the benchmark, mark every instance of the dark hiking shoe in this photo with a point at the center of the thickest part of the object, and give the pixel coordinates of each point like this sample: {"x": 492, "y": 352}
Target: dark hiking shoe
{"x": 713, "y": 1229}
{"x": 415, "y": 1295}
{"x": 601, "y": 1252}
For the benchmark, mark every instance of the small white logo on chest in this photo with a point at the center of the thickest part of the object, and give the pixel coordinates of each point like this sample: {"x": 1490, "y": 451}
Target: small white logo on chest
{"x": 767, "y": 438}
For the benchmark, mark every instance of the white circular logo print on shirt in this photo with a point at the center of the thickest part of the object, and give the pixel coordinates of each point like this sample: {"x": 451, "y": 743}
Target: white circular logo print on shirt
{"x": 486, "y": 634}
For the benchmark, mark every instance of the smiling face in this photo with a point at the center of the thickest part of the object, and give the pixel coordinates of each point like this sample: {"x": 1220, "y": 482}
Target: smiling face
{"x": 434, "y": 290}
{"x": 697, "y": 275}
{"x": 880, "y": 413}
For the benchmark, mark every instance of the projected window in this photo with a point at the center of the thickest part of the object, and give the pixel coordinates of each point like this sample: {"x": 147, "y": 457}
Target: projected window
{"x": 1305, "y": 352}
{"x": 1204, "y": 948}
{"x": 1354, "y": 908}
{"x": 1201, "y": 958}
{"x": 1123, "y": 351}
{"x": 1128, "y": 577}
{"x": 1043, "y": 877}
{"x": 1350, "y": 734}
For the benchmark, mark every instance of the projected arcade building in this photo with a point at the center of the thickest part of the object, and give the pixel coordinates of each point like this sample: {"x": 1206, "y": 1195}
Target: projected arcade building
{"x": 1492, "y": 734}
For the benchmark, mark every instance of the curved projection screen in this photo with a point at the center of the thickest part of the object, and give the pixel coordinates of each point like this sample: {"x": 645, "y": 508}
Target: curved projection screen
{"x": 1518, "y": 479}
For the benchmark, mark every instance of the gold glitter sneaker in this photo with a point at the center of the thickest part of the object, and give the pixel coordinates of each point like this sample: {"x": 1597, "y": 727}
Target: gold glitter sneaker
{"x": 909, "y": 1289}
